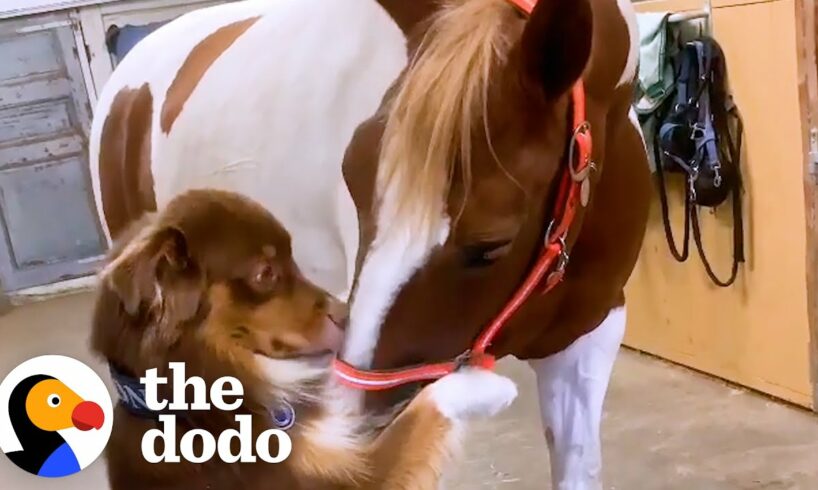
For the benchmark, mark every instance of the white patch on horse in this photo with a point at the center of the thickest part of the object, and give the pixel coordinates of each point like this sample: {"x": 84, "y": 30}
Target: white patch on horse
{"x": 572, "y": 386}
{"x": 155, "y": 62}
{"x": 395, "y": 254}
{"x": 274, "y": 114}
{"x": 100, "y": 115}
{"x": 629, "y": 14}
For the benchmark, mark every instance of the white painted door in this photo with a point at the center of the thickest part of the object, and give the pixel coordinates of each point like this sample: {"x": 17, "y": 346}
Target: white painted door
{"x": 49, "y": 230}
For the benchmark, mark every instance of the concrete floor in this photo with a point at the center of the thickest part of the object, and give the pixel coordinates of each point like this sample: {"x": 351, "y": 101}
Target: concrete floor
{"x": 665, "y": 427}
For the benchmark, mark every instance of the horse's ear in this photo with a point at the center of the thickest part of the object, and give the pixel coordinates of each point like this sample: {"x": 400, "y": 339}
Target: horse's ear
{"x": 155, "y": 271}
{"x": 555, "y": 45}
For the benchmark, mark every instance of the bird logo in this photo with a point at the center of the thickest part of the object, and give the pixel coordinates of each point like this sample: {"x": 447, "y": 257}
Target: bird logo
{"x": 57, "y": 416}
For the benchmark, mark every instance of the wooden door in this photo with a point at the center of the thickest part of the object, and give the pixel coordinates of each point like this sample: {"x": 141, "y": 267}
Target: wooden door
{"x": 756, "y": 333}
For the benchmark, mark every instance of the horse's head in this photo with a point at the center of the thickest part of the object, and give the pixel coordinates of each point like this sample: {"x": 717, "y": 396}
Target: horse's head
{"x": 451, "y": 176}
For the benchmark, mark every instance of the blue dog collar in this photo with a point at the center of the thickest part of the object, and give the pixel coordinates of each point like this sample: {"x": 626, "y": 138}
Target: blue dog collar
{"x": 131, "y": 394}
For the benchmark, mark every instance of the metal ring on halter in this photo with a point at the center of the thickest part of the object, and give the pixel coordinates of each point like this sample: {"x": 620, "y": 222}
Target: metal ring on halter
{"x": 463, "y": 360}
{"x": 697, "y": 131}
{"x": 564, "y": 256}
{"x": 548, "y": 232}
{"x": 579, "y": 175}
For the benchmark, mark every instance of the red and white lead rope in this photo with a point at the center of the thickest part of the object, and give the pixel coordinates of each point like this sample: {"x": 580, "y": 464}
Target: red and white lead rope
{"x": 549, "y": 268}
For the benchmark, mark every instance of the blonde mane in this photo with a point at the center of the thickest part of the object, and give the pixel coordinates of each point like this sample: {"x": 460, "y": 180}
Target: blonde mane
{"x": 434, "y": 113}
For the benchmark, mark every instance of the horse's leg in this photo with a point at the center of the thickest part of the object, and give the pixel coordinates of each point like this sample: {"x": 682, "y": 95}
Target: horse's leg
{"x": 572, "y": 386}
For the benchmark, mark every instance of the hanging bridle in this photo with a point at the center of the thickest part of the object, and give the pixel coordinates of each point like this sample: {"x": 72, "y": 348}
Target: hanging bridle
{"x": 546, "y": 273}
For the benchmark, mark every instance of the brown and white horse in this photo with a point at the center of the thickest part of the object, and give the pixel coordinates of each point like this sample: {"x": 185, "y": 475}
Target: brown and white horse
{"x": 411, "y": 147}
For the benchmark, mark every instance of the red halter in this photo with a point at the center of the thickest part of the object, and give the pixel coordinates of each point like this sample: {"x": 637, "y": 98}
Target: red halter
{"x": 549, "y": 269}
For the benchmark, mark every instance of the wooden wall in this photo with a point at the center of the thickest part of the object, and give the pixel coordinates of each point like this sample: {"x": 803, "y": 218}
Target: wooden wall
{"x": 756, "y": 333}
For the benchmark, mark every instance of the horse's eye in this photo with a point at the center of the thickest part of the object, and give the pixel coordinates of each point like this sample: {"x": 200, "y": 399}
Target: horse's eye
{"x": 483, "y": 254}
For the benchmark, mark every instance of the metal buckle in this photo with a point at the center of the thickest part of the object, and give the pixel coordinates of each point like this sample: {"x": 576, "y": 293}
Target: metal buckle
{"x": 463, "y": 360}
{"x": 579, "y": 175}
{"x": 548, "y": 231}
{"x": 565, "y": 257}
{"x": 697, "y": 131}
{"x": 562, "y": 263}
{"x": 583, "y": 128}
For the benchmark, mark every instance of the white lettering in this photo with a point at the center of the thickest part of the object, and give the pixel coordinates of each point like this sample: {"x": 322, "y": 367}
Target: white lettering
{"x": 285, "y": 446}
{"x": 208, "y": 446}
{"x": 180, "y": 384}
{"x": 151, "y": 381}
{"x": 168, "y": 436}
{"x": 218, "y": 392}
{"x": 245, "y": 435}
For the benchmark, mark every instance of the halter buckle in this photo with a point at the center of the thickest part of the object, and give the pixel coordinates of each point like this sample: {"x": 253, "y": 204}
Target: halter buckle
{"x": 588, "y": 166}
{"x": 463, "y": 360}
{"x": 548, "y": 232}
{"x": 564, "y": 258}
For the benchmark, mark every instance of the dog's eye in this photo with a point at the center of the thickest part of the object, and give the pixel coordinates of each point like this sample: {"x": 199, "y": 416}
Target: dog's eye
{"x": 483, "y": 254}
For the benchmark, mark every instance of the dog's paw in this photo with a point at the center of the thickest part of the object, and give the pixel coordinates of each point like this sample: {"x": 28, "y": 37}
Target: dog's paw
{"x": 472, "y": 393}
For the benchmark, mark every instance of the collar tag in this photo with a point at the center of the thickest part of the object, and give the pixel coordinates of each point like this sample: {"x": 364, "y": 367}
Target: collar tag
{"x": 283, "y": 416}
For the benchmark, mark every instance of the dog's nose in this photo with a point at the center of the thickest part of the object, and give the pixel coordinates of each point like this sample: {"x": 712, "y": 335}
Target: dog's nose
{"x": 332, "y": 336}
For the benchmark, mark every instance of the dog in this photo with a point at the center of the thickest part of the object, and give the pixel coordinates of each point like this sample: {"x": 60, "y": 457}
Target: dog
{"x": 210, "y": 281}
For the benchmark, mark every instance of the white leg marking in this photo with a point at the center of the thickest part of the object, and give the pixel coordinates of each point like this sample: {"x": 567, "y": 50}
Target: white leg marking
{"x": 629, "y": 14}
{"x": 472, "y": 393}
{"x": 572, "y": 386}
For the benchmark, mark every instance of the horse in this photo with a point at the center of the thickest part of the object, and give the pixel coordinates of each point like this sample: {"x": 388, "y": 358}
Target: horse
{"x": 413, "y": 149}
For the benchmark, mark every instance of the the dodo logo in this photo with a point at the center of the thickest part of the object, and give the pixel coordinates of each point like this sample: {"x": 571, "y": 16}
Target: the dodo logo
{"x": 55, "y": 416}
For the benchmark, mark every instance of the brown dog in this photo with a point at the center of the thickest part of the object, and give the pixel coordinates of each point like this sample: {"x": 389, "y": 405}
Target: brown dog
{"x": 211, "y": 282}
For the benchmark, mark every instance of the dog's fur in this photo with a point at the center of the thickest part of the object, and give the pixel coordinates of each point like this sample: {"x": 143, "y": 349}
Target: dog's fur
{"x": 211, "y": 282}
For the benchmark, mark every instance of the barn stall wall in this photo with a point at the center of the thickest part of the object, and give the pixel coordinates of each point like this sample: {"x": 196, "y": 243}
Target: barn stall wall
{"x": 756, "y": 333}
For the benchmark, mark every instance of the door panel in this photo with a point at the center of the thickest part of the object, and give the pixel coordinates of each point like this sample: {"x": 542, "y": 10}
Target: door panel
{"x": 49, "y": 225}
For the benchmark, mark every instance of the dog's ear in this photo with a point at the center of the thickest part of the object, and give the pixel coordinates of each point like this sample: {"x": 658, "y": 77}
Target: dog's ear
{"x": 156, "y": 271}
